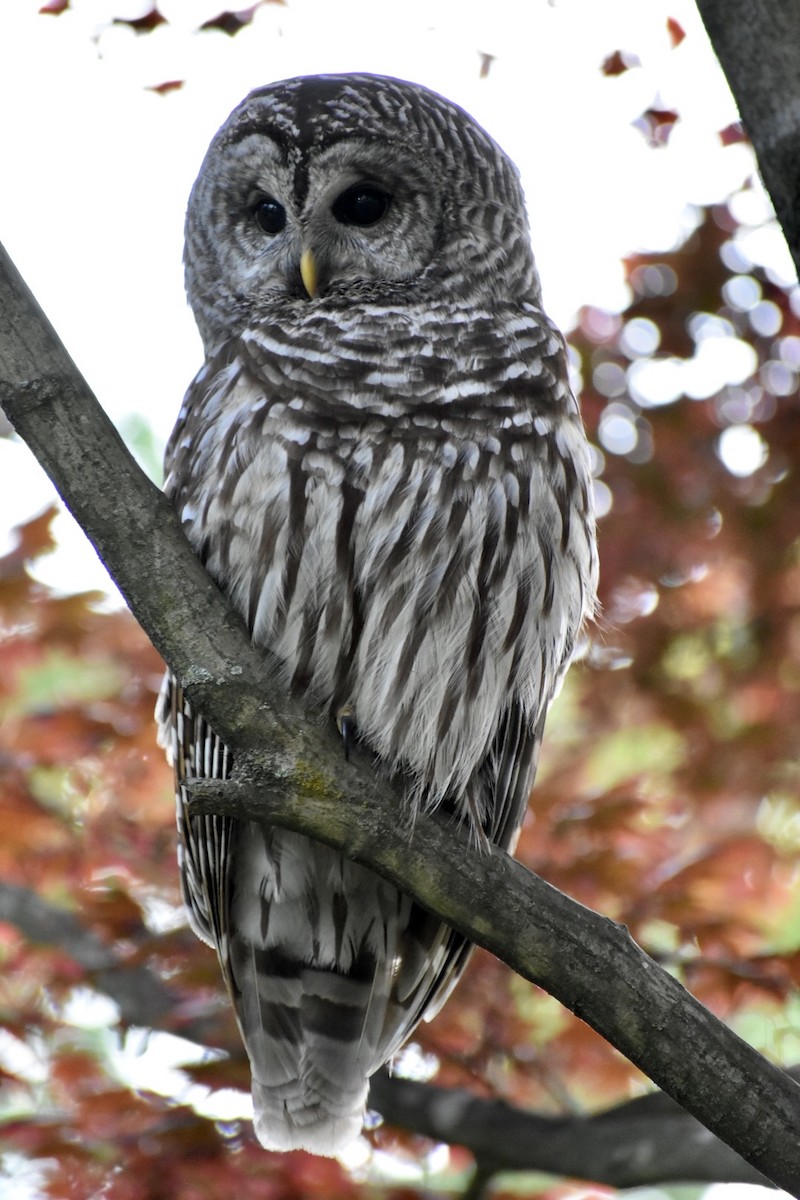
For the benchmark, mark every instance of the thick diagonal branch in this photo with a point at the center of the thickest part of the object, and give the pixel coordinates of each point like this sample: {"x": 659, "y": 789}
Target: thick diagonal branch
{"x": 296, "y": 777}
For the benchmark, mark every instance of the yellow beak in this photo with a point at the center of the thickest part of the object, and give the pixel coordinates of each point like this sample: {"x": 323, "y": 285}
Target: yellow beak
{"x": 308, "y": 272}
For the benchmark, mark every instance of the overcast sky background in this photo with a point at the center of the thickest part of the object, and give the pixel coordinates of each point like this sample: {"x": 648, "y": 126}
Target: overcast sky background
{"x": 97, "y": 167}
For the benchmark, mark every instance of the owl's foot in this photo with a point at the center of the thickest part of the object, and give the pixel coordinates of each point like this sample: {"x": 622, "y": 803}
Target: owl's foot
{"x": 346, "y": 724}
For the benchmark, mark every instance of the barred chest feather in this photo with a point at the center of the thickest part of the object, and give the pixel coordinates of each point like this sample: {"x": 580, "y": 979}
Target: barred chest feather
{"x": 411, "y": 540}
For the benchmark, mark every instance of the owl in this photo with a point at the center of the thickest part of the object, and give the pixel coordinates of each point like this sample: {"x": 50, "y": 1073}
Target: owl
{"x": 383, "y": 466}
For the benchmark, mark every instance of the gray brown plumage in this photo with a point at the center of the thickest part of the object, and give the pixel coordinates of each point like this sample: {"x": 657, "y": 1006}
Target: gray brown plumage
{"x": 389, "y": 478}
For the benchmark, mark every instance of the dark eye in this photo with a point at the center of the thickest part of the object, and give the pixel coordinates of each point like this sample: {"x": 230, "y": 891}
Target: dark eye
{"x": 361, "y": 204}
{"x": 270, "y": 216}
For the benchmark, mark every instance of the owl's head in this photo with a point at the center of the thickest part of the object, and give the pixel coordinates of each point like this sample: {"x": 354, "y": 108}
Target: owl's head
{"x": 351, "y": 187}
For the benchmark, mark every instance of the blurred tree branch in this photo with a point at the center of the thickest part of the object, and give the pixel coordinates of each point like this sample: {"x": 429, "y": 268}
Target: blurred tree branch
{"x": 650, "y": 1140}
{"x": 138, "y": 992}
{"x": 756, "y": 42}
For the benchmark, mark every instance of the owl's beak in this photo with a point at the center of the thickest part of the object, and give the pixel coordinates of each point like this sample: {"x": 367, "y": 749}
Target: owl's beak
{"x": 309, "y": 273}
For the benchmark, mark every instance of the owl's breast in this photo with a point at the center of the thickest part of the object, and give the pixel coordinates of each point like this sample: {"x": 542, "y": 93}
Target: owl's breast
{"x": 421, "y": 566}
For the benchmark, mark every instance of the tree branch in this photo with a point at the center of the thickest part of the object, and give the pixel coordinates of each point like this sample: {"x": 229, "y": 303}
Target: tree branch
{"x": 139, "y": 994}
{"x": 290, "y": 770}
{"x": 650, "y": 1140}
{"x": 757, "y": 46}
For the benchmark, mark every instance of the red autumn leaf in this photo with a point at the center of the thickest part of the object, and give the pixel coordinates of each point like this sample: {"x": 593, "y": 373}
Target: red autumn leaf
{"x": 676, "y": 31}
{"x": 619, "y": 62}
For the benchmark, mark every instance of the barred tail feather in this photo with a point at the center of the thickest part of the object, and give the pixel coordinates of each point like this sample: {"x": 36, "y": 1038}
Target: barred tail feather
{"x": 311, "y": 1052}
{"x": 315, "y": 1036}
{"x": 310, "y": 1060}
{"x": 311, "y": 969}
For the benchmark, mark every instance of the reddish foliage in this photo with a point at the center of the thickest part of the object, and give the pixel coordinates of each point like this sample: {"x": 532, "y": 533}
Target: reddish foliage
{"x": 676, "y": 31}
{"x": 163, "y": 89}
{"x": 231, "y": 22}
{"x": 144, "y": 24}
{"x": 619, "y": 62}
{"x": 656, "y": 124}
{"x": 733, "y": 134}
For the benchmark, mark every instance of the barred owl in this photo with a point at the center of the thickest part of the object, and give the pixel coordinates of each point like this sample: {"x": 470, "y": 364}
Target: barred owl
{"x": 383, "y": 466}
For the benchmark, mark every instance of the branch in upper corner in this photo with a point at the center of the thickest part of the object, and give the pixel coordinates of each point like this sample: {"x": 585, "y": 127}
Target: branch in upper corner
{"x": 293, "y": 772}
{"x": 757, "y": 42}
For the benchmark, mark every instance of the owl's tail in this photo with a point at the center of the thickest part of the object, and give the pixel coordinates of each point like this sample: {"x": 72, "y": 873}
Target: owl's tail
{"x": 313, "y": 952}
{"x": 316, "y": 1130}
{"x": 310, "y": 1083}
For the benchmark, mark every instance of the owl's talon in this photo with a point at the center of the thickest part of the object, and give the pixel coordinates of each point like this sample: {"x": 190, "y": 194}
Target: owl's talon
{"x": 346, "y": 724}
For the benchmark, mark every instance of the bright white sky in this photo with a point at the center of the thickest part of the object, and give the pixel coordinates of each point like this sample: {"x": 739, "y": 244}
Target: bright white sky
{"x": 96, "y": 169}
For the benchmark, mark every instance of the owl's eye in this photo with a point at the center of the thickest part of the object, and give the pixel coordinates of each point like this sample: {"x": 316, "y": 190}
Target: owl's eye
{"x": 361, "y": 204}
{"x": 270, "y": 216}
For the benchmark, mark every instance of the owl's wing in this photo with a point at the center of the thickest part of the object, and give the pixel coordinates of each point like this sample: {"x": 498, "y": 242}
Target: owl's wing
{"x": 508, "y": 773}
{"x": 505, "y": 779}
{"x": 203, "y": 841}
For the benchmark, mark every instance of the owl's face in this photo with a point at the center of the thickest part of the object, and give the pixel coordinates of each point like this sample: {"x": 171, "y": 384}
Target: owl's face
{"x": 352, "y": 186}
